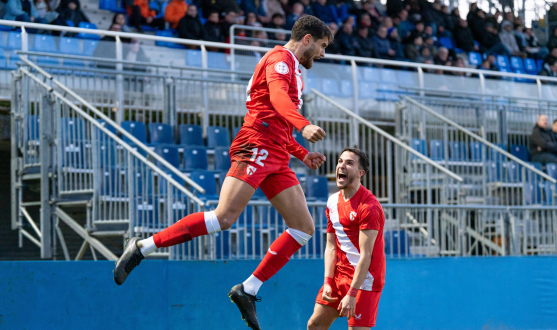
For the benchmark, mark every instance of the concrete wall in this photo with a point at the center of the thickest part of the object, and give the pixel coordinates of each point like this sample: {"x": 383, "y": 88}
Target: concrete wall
{"x": 451, "y": 293}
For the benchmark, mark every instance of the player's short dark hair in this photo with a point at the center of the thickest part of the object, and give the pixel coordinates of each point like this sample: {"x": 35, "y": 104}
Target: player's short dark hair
{"x": 311, "y": 25}
{"x": 363, "y": 160}
{"x": 555, "y": 121}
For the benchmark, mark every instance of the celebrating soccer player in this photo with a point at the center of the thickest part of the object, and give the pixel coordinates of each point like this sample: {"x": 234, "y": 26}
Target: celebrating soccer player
{"x": 354, "y": 255}
{"x": 260, "y": 156}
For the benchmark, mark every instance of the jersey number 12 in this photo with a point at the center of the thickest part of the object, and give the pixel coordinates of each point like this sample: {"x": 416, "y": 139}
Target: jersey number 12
{"x": 263, "y": 155}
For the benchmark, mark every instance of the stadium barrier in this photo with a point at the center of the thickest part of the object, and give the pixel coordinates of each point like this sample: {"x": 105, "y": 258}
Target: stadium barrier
{"x": 426, "y": 294}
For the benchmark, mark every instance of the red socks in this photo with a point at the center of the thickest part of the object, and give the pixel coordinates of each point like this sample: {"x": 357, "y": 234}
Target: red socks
{"x": 182, "y": 231}
{"x": 278, "y": 255}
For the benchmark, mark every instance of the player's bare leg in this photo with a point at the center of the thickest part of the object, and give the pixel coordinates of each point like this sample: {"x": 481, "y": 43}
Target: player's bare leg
{"x": 359, "y": 328}
{"x": 291, "y": 204}
{"x": 234, "y": 197}
{"x": 322, "y": 318}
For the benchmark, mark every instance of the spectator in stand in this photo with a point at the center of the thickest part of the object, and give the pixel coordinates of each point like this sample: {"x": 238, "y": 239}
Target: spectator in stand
{"x": 455, "y": 17}
{"x": 418, "y": 31}
{"x": 549, "y": 69}
{"x": 394, "y": 7}
{"x": 450, "y": 24}
{"x": 22, "y": 10}
{"x": 533, "y": 47}
{"x": 430, "y": 44}
{"x": 442, "y": 58}
{"x": 255, "y": 6}
{"x": 365, "y": 46}
{"x": 552, "y": 43}
{"x": 459, "y": 63}
{"x": 281, "y": 37}
{"x": 429, "y": 33}
{"x": 463, "y": 37}
{"x": 190, "y": 27}
{"x": 140, "y": 14}
{"x": 220, "y": 6}
{"x": 371, "y": 10}
{"x": 106, "y": 48}
{"x": 396, "y": 45}
{"x": 554, "y": 129}
{"x": 120, "y": 19}
{"x": 551, "y": 54}
{"x": 476, "y": 22}
{"x": 229, "y": 19}
{"x": 387, "y": 23}
{"x": 334, "y": 47}
{"x": 73, "y": 14}
{"x": 308, "y": 9}
{"x": 543, "y": 145}
{"x": 212, "y": 28}
{"x": 508, "y": 39}
{"x": 413, "y": 51}
{"x": 552, "y": 15}
{"x": 404, "y": 27}
{"x": 59, "y": 6}
{"x": 297, "y": 12}
{"x": 251, "y": 20}
{"x": 347, "y": 42}
{"x": 44, "y": 12}
{"x": 272, "y": 7}
{"x": 426, "y": 57}
{"x": 489, "y": 65}
{"x": 175, "y": 11}
{"x": 491, "y": 42}
{"x": 134, "y": 53}
{"x": 277, "y": 22}
{"x": 286, "y": 7}
{"x": 323, "y": 11}
{"x": 382, "y": 45}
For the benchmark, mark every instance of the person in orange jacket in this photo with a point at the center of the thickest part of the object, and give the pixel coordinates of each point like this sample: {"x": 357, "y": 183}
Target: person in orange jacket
{"x": 175, "y": 11}
{"x": 140, "y": 14}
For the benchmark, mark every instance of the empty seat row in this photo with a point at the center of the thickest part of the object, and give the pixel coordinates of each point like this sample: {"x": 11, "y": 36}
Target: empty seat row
{"x": 515, "y": 64}
{"x": 466, "y": 152}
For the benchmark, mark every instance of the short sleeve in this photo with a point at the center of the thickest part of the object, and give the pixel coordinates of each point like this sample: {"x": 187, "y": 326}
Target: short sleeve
{"x": 371, "y": 217}
{"x": 330, "y": 228}
{"x": 278, "y": 66}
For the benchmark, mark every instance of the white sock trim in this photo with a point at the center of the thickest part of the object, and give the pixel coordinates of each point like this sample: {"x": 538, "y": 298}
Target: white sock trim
{"x": 252, "y": 285}
{"x": 211, "y": 222}
{"x": 147, "y": 246}
{"x": 300, "y": 237}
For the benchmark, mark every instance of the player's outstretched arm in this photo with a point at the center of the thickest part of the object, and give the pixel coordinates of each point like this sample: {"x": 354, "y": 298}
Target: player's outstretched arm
{"x": 330, "y": 258}
{"x": 347, "y": 305}
{"x": 313, "y": 133}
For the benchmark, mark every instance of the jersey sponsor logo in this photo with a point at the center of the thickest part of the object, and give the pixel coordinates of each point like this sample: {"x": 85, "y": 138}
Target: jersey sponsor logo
{"x": 250, "y": 170}
{"x": 272, "y": 252}
{"x": 281, "y": 68}
{"x": 358, "y": 317}
{"x": 353, "y": 215}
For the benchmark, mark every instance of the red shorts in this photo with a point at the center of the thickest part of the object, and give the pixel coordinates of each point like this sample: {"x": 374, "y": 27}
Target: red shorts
{"x": 367, "y": 302}
{"x": 259, "y": 161}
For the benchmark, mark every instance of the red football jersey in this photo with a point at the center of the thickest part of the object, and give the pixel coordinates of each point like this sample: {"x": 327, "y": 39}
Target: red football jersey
{"x": 278, "y": 64}
{"x": 346, "y": 219}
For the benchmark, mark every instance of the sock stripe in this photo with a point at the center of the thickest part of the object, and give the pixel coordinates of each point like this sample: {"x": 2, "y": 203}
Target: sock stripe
{"x": 300, "y": 237}
{"x": 211, "y": 222}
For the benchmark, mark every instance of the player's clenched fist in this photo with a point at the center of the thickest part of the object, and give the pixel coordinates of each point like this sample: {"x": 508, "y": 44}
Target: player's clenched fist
{"x": 314, "y": 160}
{"x": 328, "y": 293}
{"x": 313, "y": 133}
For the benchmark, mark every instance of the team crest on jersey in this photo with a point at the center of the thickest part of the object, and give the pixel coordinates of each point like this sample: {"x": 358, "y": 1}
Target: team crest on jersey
{"x": 250, "y": 170}
{"x": 281, "y": 68}
{"x": 353, "y": 215}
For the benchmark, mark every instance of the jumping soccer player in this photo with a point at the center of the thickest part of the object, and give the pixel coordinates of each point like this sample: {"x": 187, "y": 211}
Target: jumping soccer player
{"x": 260, "y": 156}
{"x": 354, "y": 255}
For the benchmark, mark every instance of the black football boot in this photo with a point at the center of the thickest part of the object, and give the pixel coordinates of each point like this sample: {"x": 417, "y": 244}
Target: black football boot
{"x": 128, "y": 261}
{"x": 246, "y": 305}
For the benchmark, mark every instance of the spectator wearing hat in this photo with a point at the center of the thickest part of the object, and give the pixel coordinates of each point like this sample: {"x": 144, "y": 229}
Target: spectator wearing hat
{"x": 508, "y": 39}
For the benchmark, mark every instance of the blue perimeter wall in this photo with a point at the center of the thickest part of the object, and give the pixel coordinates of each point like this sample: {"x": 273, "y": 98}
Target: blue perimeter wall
{"x": 449, "y": 293}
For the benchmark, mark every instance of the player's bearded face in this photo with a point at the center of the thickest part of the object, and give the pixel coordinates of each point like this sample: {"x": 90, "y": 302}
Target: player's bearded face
{"x": 309, "y": 55}
{"x": 346, "y": 175}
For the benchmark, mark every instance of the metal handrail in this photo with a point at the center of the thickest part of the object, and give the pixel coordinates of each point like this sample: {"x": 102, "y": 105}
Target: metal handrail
{"x": 479, "y": 138}
{"x": 389, "y": 137}
{"x": 117, "y": 127}
{"x": 419, "y": 66}
{"x": 439, "y": 92}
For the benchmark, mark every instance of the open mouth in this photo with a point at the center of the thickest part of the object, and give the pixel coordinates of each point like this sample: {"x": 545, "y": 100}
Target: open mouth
{"x": 341, "y": 177}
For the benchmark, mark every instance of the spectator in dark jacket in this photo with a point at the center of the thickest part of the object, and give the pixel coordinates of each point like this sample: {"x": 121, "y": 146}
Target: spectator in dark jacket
{"x": 491, "y": 43}
{"x": 477, "y": 24}
{"x": 323, "y": 11}
{"x": 463, "y": 37}
{"x": 347, "y": 42}
{"x": 254, "y": 6}
{"x": 382, "y": 45}
{"x": 297, "y": 12}
{"x": 413, "y": 51}
{"x": 418, "y": 31}
{"x": 549, "y": 69}
{"x": 543, "y": 145}
{"x": 365, "y": 48}
{"x": 554, "y": 129}
{"x": 396, "y": 45}
{"x": 190, "y": 26}
{"x": 394, "y": 7}
{"x": 308, "y": 9}
{"x": 73, "y": 14}
{"x": 404, "y": 26}
{"x": 334, "y": 47}
{"x": 365, "y": 20}
{"x": 220, "y": 6}
{"x": 212, "y": 28}
{"x": 552, "y": 43}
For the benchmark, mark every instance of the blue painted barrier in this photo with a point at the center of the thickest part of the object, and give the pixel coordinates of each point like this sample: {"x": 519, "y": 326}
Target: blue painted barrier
{"x": 449, "y": 293}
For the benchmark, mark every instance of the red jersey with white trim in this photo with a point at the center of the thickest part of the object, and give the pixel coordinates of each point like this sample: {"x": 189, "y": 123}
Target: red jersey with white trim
{"x": 278, "y": 64}
{"x": 346, "y": 219}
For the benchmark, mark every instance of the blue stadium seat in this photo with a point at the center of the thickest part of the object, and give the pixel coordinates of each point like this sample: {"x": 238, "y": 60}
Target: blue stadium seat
{"x": 420, "y": 146}
{"x": 90, "y": 26}
{"x": 458, "y": 151}
{"x": 70, "y": 46}
{"x": 387, "y": 92}
{"x": 299, "y": 138}
{"x": 346, "y": 88}
{"x": 512, "y": 172}
{"x": 495, "y": 155}
{"x": 530, "y": 66}
{"x": 195, "y": 158}
{"x": 73, "y": 130}
{"x": 388, "y": 76}
{"x": 137, "y": 129}
{"x": 45, "y": 43}
{"x": 476, "y": 149}
{"x": 169, "y": 153}
{"x": 13, "y": 60}
{"x": 217, "y": 61}
{"x": 3, "y": 61}
{"x": 551, "y": 170}
{"x": 532, "y": 177}
{"x": 407, "y": 78}
{"x": 160, "y": 134}
{"x": 316, "y": 187}
{"x": 101, "y": 136}
{"x": 521, "y": 79}
{"x": 474, "y": 58}
{"x": 493, "y": 171}
{"x": 89, "y": 47}
{"x": 520, "y": 152}
{"x": 207, "y": 181}
{"x": 549, "y": 192}
{"x": 193, "y": 58}
{"x": 437, "y": 149}
{"x": 517, "y": 64}
{"x": 533, "y": 194}
{"x": 222, "y": 159}
{"x": 111, "y": 5}
{"x": 217, "y": 137}
{"x": 367, "y": 90}
{"x": 108, "y": 154}
{"x": 191, "y": 135}
{"x": 163, "y": 187}
{"x": 503, "y": 63}
{"x": 396, "y": 243}
{"x": 169, "y": 34}
{"x": 446, "y": 42}
{"x": 75, "y": 155}
{"x": 14, "y": 40}
{"x": 235, "y": 132}
{"x": 330, "y": 87}
{"x": 539, "y": 64}
{"x": 311, "y": 83}
{"x": 112, "y": 182}
{"x": 32, "y": 128}
{"x": 371, "y": 74}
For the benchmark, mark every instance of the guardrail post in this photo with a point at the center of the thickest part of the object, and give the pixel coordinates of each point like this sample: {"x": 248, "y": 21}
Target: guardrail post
{"x": 232, "y": 51}
{"x": 482, "y": 83}
{"x": 119, "y": 82}
{"x": 205, "y": 111}
{"x": 24, "y": 40}
{"x": 15, "y": 131}
{"x": 540, "y": 92}
{"x": 421, "y": 81}
{"x": 169, "y": 102}
{"x": 46, "y": 129}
